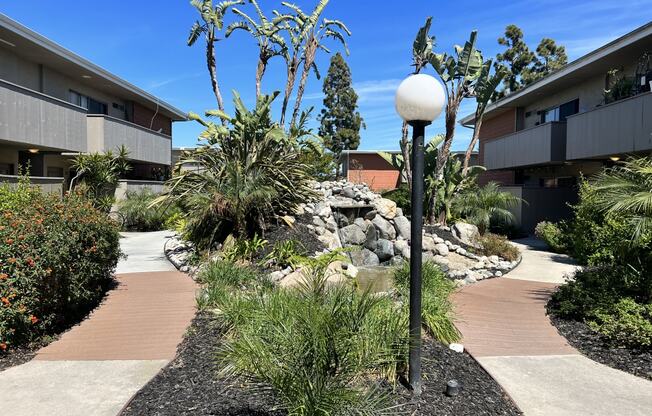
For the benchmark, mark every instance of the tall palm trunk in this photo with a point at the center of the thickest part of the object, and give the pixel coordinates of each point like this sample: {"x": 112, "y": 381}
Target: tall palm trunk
{"x": 308, "y": 59}
{"x": 474, "y": 140}
{"x": 212, "y": 69}
{"x": 405, "y": 150}
{"x": 260, "y": 71}
{"x": 293, "y": 67}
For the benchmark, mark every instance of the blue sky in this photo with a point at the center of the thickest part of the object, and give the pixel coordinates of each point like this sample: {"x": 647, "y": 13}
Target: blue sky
{"x": 144, "y": 43}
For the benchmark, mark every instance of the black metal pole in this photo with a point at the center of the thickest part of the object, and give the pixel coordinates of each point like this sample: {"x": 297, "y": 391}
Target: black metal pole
{"x": 418, "y": 131}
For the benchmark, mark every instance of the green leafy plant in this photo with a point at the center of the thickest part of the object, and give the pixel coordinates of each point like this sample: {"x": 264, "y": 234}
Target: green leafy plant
{"x": 97, "y": 175}
{"x": 449, "y": 186}
{"x": 242, "y": 249}
{"x": 554, "y": 235}
{"x": 401, "y": 196}
{"x": 57, "y": 258}
{"x": 287, "y": 253}
{"x": 139, "y": 213}
{"x": 486, "y": 204}
{"x": 251, "y": 171}
{"x": 625, "y": 323}
{"x": 437, "y": 310}
{"x": 498, "y": 245}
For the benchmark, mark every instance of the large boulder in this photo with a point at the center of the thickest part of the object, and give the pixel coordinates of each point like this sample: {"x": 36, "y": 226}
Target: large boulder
{"x": 402, "y": 247}
{"x": 348, "y": 192}
{"x": 428, "y": 243}
{"x": 402, "y": 226}
{"x": 465, "y": 232}
{"x": 385, "y": 228}
{"x": 371, "y": 237}
{"x": 364, "y": 257}
{"x": 385, "y": 207}
{"x": 384, "y": 249}
{"x": 442, "y": 249}
{"x": 352, "y": 234}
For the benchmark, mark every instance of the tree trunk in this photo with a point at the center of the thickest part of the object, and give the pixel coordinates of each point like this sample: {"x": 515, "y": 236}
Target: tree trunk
{"x": 293, "y": 66}
{"x": 405, "y": 150}
{"x": 260, "y": 71}
{"x": 474, "y": 140}
{"x": 308, "y": 59}
{"x": 212, "y": 69}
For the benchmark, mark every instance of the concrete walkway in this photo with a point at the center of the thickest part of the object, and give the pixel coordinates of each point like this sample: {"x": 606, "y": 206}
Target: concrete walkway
{"x": 97, "y": 366}
{"x": 505, "y": 328}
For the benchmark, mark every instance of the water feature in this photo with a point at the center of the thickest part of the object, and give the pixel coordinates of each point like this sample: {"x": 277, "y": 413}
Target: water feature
{"x": 376, "y": 279}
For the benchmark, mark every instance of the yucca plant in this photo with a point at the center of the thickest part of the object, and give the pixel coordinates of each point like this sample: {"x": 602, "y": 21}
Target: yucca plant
{"x": 625, "y": 191}
{"x": 250, "y": 171}
{"x": 486, "y": 204}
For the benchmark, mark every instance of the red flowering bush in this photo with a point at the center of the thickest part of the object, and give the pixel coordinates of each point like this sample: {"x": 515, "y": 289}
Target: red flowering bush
{"x": 57, "y": 257}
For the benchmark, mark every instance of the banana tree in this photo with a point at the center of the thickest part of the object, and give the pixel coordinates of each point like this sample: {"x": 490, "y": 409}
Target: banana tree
{"x": 312, "y": 34}
{"x": 484, "y": 91}
{"x": 212, "y": 21}
{"x": 421, "y": 52}
{"x": 266, "y": 32}
{"x": 459, "y": 74}
{"x": 430, "y": 156}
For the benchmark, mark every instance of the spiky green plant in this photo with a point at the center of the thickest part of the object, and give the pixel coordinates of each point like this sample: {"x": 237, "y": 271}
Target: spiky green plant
{"x": 486, "y": 204}
{"x": 625, "y": 191}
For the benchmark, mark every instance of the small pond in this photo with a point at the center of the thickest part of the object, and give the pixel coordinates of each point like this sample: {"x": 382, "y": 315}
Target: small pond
{"x": 376, "y": 279}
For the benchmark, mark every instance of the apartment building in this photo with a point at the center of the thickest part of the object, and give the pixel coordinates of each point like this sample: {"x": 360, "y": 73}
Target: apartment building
{"x": 55, "y": 104}
{"x": 538, "y": 141}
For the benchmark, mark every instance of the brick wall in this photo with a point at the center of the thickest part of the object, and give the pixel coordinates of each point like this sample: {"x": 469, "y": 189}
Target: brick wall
{"x": 143, "y": 117}
{"x": 493, "y": 128}
{"x": 373, "y": 170}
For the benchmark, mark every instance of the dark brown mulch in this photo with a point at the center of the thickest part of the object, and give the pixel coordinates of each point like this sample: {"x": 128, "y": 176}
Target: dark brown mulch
{"x": 189, "y": 386}
{"x": 282, "y": 232}
{"x": 17, "y": 356}
{"x": 597, "y": 348}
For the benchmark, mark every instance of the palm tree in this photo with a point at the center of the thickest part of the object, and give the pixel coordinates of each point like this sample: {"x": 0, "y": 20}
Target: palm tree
{"x": 312, "y": 34}
{"x": 266, "y": 33}
{"x": 625, "y": 191}
{"x": 293, "y": 59}
{"x": 486, "y": 204}
{"x": 212, "y": 21}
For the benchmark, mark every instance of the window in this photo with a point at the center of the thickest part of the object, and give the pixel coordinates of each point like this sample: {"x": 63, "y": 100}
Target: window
{"x": 55, "y": 172}
{"x": 550, "y": 115}
{"x": 6, "y": 169}
{"x": 93, "y": 106}
{"x": 560, "y": 112}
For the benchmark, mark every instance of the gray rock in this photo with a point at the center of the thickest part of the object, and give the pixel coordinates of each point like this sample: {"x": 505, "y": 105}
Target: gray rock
{"x": 276, "y": 276}
{"x": 494, "y": 259}
{"x": 370, "y": 215}
{"x": 320, "y": 230}
{"x": 385, "y": 207}
{"x": 442, "y": 249}
{"x": 399, "y": 212}
{"x": 384, "y": 249}
{"x": 340, "y": 219}
{"x": 402, "y": 226}
{"x": 385, "y": 228}
{"x": 466, "y": 233}
{"x": 441, "y": 260}
{"x": 361, "y": 223}
{"x": 428, "y": 243}
{"x": 498, "y": 273}
{"x": 348, "y": 192}
{"x": 318, "y": 222}
{"x": 364, "y": 257}
{"x": 438, "y": 240}
{"x": 352, "y": 234}
{"x": 400, "y": 245}
{"x": 371, "y": 237}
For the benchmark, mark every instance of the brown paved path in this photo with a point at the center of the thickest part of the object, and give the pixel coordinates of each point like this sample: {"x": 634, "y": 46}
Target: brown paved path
{"x": 144, "y": 318}
{"x": 506, "y": 317}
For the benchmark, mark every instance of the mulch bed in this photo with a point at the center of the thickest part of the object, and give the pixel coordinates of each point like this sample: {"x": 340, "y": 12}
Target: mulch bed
{"x": 17, "y": 356}
{"x": 189, "y": 386}
{"x": 597, "y": 348}
{"x": 299, "y": 232}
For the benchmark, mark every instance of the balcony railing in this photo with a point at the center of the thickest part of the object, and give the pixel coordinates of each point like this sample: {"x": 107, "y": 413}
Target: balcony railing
{"x": 545, "y": 143}
{"x": 144, "y": 145}
{"x": 621, "y": 127}
{"x": 38, "y": 120}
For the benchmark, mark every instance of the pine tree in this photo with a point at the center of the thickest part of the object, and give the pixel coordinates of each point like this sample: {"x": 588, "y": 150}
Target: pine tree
{"x": 515, "y": 59}
{"x": 340, "y": 120}
{"x": 550, "y": 57}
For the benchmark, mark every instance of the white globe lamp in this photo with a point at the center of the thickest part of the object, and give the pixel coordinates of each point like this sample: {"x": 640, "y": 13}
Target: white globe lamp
{"x": 419, "y": 100}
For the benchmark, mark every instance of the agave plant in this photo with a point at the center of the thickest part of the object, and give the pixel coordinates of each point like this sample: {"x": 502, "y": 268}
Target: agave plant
{"x": 486, "y": 204}
{"x": 250, "y": 170}
{"x": 625, "y": 191}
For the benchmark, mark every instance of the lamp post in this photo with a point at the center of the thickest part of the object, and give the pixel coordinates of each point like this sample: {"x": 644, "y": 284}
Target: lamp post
{"x": 419, "y": 100}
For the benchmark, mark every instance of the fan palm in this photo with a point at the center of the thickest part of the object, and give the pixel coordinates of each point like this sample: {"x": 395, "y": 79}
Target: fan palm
{"x": 625, "y": 191}
{"x": 486, "y": 204}
{"x": 212, "y": 21}
{"x": 266, "y": 32}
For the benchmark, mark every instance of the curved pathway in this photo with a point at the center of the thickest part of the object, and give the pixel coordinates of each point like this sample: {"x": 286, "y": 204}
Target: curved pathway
{"x": 505, "y": 328}
{"x": 95, "y": 367}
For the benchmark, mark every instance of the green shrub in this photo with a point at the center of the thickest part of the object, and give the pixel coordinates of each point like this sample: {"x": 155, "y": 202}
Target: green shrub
{"x": 625, "y": 323}
{"x": 140, "y": 215}
{"x": 242, "y": 249}
{"x": 223, "y": 280}
{"x": 497, "y": 245}
{"x": 286, "y": 253}
{"x": 437, "y": 309}
{"x": 554, "y": 235}
{"x": 57, "y": 257}
{"x": 596, "y": 287}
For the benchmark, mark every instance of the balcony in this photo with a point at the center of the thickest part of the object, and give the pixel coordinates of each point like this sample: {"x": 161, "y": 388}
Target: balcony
{"x": 621, "y": 127}
{"x": 144, "y": 145}
{"x": 37, "y": 120}
{"x": 541, "y": 144}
